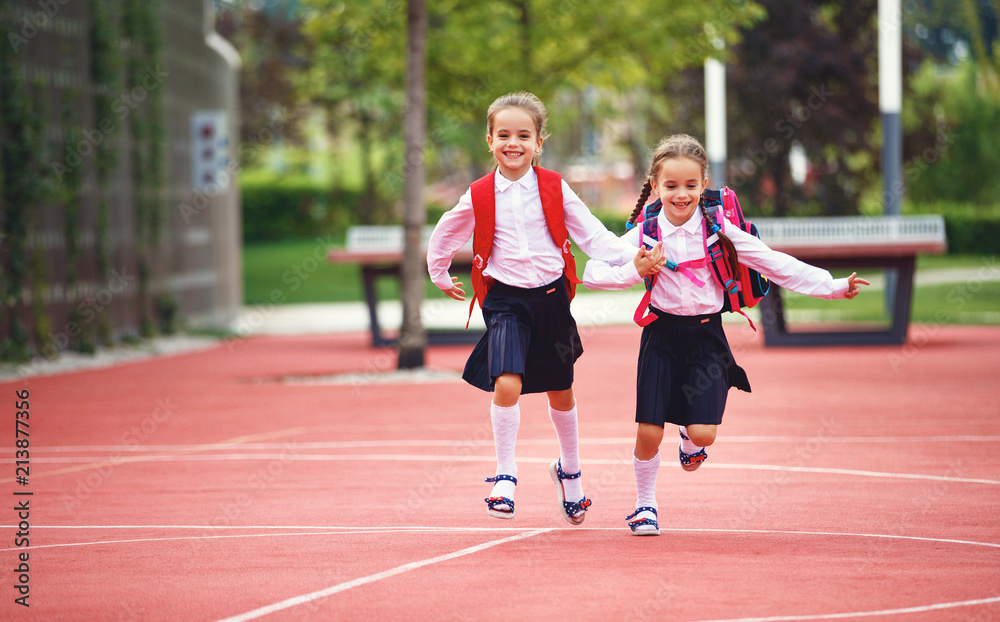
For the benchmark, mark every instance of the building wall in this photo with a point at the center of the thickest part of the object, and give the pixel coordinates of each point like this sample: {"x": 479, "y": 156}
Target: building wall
{"x": 195, "y": 260}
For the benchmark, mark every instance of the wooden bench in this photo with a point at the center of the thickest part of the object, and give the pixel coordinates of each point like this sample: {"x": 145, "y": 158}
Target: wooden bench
{"x": 378, "y": 250}
{"x": 854, "y": 243}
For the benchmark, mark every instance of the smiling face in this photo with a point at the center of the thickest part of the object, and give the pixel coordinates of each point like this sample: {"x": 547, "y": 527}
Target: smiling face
{"x": 514, "y": 142}
{"x": 679, "y": 183}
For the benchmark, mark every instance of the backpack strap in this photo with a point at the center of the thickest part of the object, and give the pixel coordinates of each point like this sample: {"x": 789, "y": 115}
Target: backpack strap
{"x": 484, "y": 210}
{"x": 551, "y": 195}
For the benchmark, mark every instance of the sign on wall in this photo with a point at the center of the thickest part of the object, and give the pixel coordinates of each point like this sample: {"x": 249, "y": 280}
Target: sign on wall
{"x": 209, "y": 151}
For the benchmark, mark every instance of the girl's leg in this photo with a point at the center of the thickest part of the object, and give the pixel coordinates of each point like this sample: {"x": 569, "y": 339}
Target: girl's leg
{"x": 647, "y": 440}
{"x": 506, "y": 418}
{"x": 562, "y": 412}
{"x": 702, "y": 435}
{"x": 646, "y": 462}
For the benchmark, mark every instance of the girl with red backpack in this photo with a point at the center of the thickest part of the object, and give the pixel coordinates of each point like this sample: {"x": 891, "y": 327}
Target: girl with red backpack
{"x": 685, "y": 364}
{"x": 521, "y": 218}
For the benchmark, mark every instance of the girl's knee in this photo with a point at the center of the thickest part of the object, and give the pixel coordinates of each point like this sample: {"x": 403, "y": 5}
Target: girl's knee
{"x": 702, "y": 435}
{"x": 562, "y": 400}
{"x": 507, "y": 389}
{"x": 647, "y": 441}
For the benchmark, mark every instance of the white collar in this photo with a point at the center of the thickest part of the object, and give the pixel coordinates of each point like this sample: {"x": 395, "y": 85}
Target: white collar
{"x": 527, "y": 181}
{"x": 691, "y": 225}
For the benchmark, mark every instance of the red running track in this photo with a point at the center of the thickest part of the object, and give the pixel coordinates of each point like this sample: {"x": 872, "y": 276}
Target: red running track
{"x": 254, "y": 480}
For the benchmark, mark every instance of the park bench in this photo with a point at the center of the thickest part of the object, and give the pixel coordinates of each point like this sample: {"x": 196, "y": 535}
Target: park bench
{"x": 891, "y": 243}
{"x": 378, "y": 250}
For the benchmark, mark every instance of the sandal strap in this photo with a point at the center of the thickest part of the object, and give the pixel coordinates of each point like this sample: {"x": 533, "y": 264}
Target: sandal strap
{"x": 644, "y": 521}
{"x": 575, "y": 507}
{"x": 509, "y": 478}
{"x": 562, "y": 474}
{"x": 642, "y": 509}
{"x": 492, "y": 502}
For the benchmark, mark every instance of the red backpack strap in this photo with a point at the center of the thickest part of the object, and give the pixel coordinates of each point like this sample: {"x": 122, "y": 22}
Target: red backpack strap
{"x": 484, "y": 209}
{"x": 551, "y": 195}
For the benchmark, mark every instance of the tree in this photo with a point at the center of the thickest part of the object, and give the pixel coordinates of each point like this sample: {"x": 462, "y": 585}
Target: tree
{"x": 413, "y": 338}
{"x": 806, "y": 75}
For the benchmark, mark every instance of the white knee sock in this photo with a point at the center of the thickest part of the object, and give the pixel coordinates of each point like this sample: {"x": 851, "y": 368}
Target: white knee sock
{"x": 687, "y": 446}
{"x": 506, "y": 420}
{"x": 645, "y": 481}
{"x": 565, "y": 423}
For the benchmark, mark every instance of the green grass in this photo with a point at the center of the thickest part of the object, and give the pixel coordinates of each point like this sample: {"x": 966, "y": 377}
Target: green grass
{"x": 297, "y": 272}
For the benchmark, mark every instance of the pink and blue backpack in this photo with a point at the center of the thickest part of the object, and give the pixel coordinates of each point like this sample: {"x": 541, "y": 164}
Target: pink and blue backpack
{"x": 744, "y": 289}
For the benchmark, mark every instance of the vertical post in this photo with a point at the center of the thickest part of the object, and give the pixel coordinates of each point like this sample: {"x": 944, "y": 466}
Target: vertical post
{"x": 890, "y": 98}
{"x": 715, "y": 120}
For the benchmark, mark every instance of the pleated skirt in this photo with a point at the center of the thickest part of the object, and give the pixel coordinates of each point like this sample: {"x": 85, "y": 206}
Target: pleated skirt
{"x": 528, "y": 332}
{"x": 685, "y": 370}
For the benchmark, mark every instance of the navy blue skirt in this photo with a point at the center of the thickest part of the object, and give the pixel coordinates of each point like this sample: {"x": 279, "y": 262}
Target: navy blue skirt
{"x": 528, "y": 332}
{"x": 685, "y": 370}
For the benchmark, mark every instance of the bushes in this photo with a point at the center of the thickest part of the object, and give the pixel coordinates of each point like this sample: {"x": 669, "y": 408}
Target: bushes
{"x": 293, "y": 207}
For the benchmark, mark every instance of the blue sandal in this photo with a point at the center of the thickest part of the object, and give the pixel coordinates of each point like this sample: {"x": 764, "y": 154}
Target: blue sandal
{"x": 568, "y": 508}
{"x": 691, "y": 462}
{"x": 639, "y": 522}
{"x": 492, "y": 502}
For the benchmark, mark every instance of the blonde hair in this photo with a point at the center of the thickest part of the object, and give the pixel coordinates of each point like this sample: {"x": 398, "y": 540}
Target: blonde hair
{"x": 682, "y": 146}
{"x": 527, "y": 102}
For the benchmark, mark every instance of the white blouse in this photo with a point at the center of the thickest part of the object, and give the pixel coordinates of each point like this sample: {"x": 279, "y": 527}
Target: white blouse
{"x": 524, "y": 254}
{"x": 675, "y": 293}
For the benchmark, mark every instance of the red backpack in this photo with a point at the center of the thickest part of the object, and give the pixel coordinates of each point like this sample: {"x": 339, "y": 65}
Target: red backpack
{"x": 744, "y": 289}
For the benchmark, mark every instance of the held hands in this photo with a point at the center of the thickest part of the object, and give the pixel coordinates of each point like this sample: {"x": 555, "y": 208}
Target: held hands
{"x": 854, "y": 285}
{"x": 456, "y": 290}
{"x": 649, "y": 261}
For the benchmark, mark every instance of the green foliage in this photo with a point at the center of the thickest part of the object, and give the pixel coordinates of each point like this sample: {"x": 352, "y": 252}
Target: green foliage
{"x": 23, "y": 184}
{"x": 962, "y": 163}
{"x": 289, "y": 207}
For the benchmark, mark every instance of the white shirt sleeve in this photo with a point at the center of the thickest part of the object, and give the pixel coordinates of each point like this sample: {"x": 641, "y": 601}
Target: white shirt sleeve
{"x": 603, "y": 275}
{"x": 449, "y": 235}
{"x": 590, "y": 234}
{"x": 783, "y": 269}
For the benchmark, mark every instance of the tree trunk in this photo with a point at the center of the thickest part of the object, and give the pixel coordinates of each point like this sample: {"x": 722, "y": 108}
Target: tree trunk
{"x": 369, "y": 212}
{"x": 413, "y": 337}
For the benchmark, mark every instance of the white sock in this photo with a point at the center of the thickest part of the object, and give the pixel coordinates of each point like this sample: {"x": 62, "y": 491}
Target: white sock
{"x": 687, "y": 446}
{"x": 565, "y": 423}
{"x": 645, "y": 482}
{"x": 506, "y": 420}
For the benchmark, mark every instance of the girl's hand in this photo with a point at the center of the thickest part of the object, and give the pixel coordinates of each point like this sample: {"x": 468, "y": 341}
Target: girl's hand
{"x": 456, "y": 290}
{"x": 649, "y": 261}
{"x": 854, "y": 285}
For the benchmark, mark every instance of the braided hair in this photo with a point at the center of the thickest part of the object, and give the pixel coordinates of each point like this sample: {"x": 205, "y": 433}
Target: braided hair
{"x": 683, "y": 146}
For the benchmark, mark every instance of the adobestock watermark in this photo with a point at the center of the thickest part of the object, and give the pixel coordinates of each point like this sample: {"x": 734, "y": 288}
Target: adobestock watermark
{"x": 958, "y": 297}
{"x": 933, "y": 497}
{"x": 132, "y": 438}
{"x": 798, "y": 115}
{"x": 753, "y": 502}
{"x": 248, "y": 151}
{"x": 86, "y": 312}
{"x": 34, "y": 22}
{"x": 292, "y": 279}
{"x": 123, "y": 106}
{"x": 257, "y": 482}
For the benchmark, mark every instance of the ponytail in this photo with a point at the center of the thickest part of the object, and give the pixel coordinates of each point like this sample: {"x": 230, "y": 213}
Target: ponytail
{"x": 724, "y": 241}
{"x": 647, "y": 189}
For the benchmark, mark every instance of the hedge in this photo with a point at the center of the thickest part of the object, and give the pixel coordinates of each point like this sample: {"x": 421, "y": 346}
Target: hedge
{"x": 295, "y": 207}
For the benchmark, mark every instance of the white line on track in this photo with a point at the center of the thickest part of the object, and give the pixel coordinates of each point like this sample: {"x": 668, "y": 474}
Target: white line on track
{"x": 313, "y": 530}
{"x": 462, "y": 458}
{"x": 625, "y": 441}
{"x": 340, "y": 587}
{"x": 855, "y": 614}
